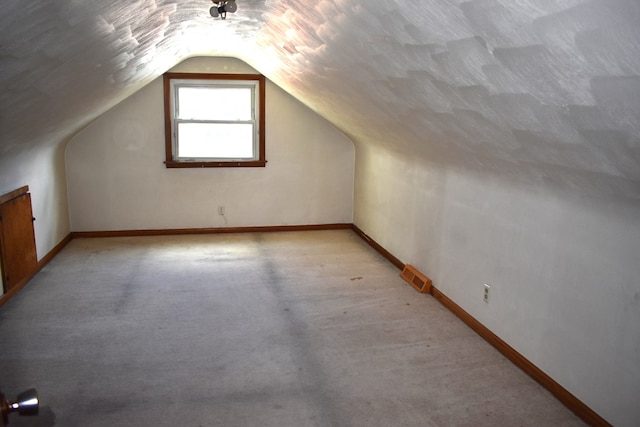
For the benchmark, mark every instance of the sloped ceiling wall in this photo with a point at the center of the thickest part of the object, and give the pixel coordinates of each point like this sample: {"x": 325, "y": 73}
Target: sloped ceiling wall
{"x": 549, "y": 89}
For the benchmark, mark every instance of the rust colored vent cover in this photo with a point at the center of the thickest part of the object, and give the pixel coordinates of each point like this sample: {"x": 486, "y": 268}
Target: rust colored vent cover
{"x": 416, "y": 279}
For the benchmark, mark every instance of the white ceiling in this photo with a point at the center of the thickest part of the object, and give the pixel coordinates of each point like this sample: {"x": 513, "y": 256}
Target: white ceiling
{"x": 548, "y": 90}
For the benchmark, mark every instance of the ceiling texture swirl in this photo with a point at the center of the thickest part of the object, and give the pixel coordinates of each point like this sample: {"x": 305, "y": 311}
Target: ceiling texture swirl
{"x": 548, "y": 90}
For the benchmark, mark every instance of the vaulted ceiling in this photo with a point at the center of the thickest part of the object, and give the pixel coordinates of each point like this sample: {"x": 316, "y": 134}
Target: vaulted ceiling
{"x": 545, "y": 89}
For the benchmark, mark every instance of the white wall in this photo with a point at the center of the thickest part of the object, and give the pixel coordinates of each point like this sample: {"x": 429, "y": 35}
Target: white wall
{"x": 564, "y": 271}
{"x": 117, "y": 179}
{"x": 42, "y": 169}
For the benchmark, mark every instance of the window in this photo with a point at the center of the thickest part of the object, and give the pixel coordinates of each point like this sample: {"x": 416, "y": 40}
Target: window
{"x": 214, "y": 120}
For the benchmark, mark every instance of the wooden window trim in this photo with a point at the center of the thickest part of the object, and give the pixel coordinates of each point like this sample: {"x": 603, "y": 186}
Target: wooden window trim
{"x": 170, "y": 163}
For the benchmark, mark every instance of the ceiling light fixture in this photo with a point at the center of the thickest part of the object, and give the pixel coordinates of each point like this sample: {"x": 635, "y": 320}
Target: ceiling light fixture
{"x": 222, "y": 7}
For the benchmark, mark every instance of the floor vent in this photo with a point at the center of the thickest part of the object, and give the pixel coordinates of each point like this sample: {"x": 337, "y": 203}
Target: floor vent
{"x": 416, "y": 279}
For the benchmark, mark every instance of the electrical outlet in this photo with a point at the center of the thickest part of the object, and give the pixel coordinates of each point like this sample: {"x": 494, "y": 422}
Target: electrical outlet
{"x": 220, "y": 210}
{"x": 486, "y": 293}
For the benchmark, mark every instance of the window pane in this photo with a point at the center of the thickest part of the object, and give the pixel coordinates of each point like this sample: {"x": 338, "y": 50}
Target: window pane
{"x": 198, "y": 103}
{"x": 215, "y": 140}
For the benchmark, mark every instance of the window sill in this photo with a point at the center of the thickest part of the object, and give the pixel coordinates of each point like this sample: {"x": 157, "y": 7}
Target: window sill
{"x": 250, "y": 164}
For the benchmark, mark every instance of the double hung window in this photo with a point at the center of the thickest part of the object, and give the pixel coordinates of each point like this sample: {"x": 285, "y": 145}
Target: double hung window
{"x": 214, "y": 120}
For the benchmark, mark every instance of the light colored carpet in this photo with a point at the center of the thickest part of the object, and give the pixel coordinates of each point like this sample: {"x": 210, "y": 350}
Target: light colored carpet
{"x": 258, "y": 329}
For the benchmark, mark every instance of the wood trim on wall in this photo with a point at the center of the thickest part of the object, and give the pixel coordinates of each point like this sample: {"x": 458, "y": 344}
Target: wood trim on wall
{"x": 572, "y": 403}
{"x": 181, "y": 231}
{"x": 587, "y": 414}
{"x": 13, "y": 194}
{"x": 41, "y": 264}
{"x": 382, "y": 251}
{"x": 55, "y": 251}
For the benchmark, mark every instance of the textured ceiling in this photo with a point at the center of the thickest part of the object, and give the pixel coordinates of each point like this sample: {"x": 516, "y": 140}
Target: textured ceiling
{"x": 548, "y": 90}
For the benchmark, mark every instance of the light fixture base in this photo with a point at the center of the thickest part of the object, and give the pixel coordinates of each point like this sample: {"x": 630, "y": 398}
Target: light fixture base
{"x": 222, "y": 7}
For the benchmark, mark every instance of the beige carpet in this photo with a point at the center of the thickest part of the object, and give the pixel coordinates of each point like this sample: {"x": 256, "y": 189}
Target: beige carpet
{"x": 260, "y": 329}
